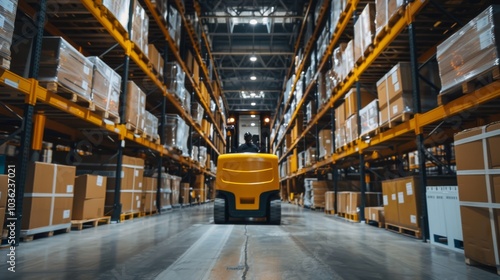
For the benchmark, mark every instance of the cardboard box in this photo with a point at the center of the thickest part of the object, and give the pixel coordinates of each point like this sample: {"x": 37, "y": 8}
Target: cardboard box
{"x": 351, "y": 128}
{"x": 61, "y": 63}
{"x": 175, "y": 184}
{"x": 120, "y": 10}
{"x": 351, "y": 101}
{"x": 479, "y": 183}
{"x": 149, "y": 190}
{"x": 41, "y": 212}
{"x": 385, "y": 10}
{"x": 476, "y": 46}
{"x": 389, "y": 195}
{"x": 135, "y": 107}
{"x": 342, "y": 202}
{"x": 325, "y": 143}
{"x": 375, "y": 214}
{"x": 8, "y": 10}
{"x": 2, "y": 217}
{"x": 329, "y": 201}
{"x": 369, "y": 117}
{"x": 88, "y": 208}
{"x": 140, "y": 27}
{"x": 4, "y": 190}
{"x": 106, "y": 86}
{"x": 364, "y": 31}
{"x": 90, "y": 186}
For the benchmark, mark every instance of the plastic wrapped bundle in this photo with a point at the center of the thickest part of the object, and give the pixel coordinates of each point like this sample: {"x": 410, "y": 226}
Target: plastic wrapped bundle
{"x": 64, "y": 65}
{"x": 135, "y": 107}
{"x": 151, "y": 125}
{"x": 364, "y": 30}
{"x": 175, "y": 77}
{"x": 471, "y": 51}
{"x": 119, "y": 9}
{"x": 203, "y": 155}
{"x": 106, "y": 85}
{"x": 195, "y": 153}
{"x": 197, "y": 112}
{"x": 140, "y": 27}
{"x": 385, "y": 11}
{"x": 7, "y": 19}
{"x": 369, "y": 117}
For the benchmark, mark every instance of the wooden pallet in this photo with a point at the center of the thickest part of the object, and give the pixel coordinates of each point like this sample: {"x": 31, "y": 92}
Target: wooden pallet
{"x": 472, "y": 262}
{"x": 134, "y": 129}
{"x": 390, "y": 23}
{"x": 69, "y": 94}
{"x": 403, "y": 230}
{"x": 149, "y": 213}
{"x": 330, "y": 212}
{"x": 30, "y": 235}
{"x": 80, "y": 224}
{"x": 129, "y": 216}
{"x": 401, "y": 118}
{"x": 375, "y": 223}
{"x": 469, "y": 86}
{"x": 105, "y": 114}
{"x": 349, "y": 217}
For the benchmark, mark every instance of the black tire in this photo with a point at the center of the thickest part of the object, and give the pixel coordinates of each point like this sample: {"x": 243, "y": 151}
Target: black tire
{"x": 275, "y": 212}
{"x": 220, "y": 213}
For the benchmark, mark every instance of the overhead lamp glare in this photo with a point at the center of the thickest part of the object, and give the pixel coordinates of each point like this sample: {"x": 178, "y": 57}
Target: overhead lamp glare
{"x": 253, "y": 21}
{"x": 253, "y": 78}
{"x": 253, "y": 58}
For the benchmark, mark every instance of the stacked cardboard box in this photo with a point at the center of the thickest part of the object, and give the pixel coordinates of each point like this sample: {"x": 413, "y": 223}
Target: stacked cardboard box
{"x": 318, "y": 190}
{"x": 120, "y": 10}
{"x": 351, "y": 128}
{"x": 140, "y": 27}
{"x": 175, "y": 80}
{"x": 395, "y": 96}
{"x": 351, "y": 101}
{"x": 385, "y": 11}
{"x": 477, "y": 153}
{"x": 166, "y": 192}
{"x": 350, "y": 201}
{"x": 4, "y": 190}
{"x": 151, "y": 125}
{"x": 402, "y": 201}
{"x": 364, "y": 31}
{"x": 340, "y": 119}
{"x": 175, "y": 184}
{"x": 135, "y": 107}
{"x": 325, "y": 143}
{"x": 337, "y": 7}
{"x": 369, "y": 117}
{"x": 471, "y": 51}
{"x": 156, "y": 60}
{"x": 197, "y": 112}
{"x": 338, "y": 74}
{"x": 176, "y": 132}
{"x": 185, "y": 193}
{"x": 174, "y": 25}
{"x": 376, "y": 214}
{"x": 62, "y": 64}
{"x": 329, "y": 201}
{"x": 348, "y": 59}
{"x": 199, "y": 189}
{"x": 310, "y": 156}
{"x": 106, "y": 86}
{"x": 48, "y": 197}
{"x": 8, "y": 15}
{"x": 130, "y": 181}
{"x": 148, "y": 196}
{"x": 90, "y": 193}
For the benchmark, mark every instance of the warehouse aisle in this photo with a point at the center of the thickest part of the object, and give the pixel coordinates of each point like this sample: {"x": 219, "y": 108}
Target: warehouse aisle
{"x": 185, "y": 244}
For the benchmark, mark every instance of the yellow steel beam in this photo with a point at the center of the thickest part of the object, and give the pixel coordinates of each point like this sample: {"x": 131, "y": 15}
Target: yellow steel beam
{"x": 38, "y": 129}
{"x": 344, "y": 20}
{"x": 15, "y": 81}
{"x": 178, "y": 58}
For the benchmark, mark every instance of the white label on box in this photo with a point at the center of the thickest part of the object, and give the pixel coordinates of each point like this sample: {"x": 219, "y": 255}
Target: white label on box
{"x": 373, "y": 216}
{"x": 485, "y": 39}
{"x": 123, "y": 174}
{"x": 136, "y": 172}
{"x": 396, "y": 87}
{"x": 69, "y": 188}
{"x": 154, "y": 203}
{"x": 481, "y": 23}
{"x": 8, "y": 5}
{"x": 409, "y": 188}
{"x": 393, "y": 196}
{"x": 99, "y": 181}
{"x": 394, "y": 77}
{"x": 138, "y": 204}
{"x": 66, "y": 214}
{"x": 413, "y": 219}
{"x": 401, "y": 197}
{"x": 85, "y": 85}
{"x": 140, "y": 185}
{"x": 86, "y": 70}
{"x": 395, "y": 109}
{"x": 2, "y": 21}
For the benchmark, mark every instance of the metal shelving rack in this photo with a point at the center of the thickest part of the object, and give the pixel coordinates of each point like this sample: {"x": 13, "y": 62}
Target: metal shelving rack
{"x": 414, "y": 134}
{"x": 45, "y": 109}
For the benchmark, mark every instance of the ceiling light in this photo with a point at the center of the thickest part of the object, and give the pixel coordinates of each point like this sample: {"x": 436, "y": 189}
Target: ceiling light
{"x": 253, "y": 21}
{"x": 267, "y": 120}
{"x": 253, "y": 78}
{"x": 253, "y": 58}
{"x": 253, "y": 103}
{"x": 252, "y": 94}
{"x": 252, "y": 124}
{"x": 252, "y": 116}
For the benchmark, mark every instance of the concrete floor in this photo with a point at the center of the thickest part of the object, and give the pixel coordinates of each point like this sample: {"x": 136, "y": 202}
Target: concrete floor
{"x": 185, "y": 244}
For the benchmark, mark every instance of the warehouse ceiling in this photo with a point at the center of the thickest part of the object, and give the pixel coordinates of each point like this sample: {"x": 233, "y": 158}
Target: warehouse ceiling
{"x": 263, "y": 29}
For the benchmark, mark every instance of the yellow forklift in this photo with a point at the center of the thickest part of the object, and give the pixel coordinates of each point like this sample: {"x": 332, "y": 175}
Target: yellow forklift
{"x": 247, "y": 186}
